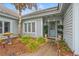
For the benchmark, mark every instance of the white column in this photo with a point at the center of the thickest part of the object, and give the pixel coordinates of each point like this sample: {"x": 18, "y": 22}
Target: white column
{"x": 48, "y": 28}
{"x": 2, "y": 27}
{"x": 41, "y": 26}
{"x": 56, "y": 29}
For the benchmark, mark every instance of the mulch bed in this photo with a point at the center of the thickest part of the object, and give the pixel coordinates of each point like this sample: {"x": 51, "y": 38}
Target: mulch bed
{"x": 16, "y": 48}
{"x": 63, "y": 52}
{"x": 60, "y": 50}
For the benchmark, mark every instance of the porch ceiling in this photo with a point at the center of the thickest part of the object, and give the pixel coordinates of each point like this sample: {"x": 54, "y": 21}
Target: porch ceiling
{"x": 53, "y": 15}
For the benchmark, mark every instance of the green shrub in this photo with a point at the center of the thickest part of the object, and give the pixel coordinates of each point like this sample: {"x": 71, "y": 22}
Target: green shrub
{"x": 40, "y": 40}
{"x": 66, "y": 48}
{"x": 25, "y": 39}
{"x": 33, "y": 46}
{"x": 64, "y": 45}
{"x": 1, "y": 40}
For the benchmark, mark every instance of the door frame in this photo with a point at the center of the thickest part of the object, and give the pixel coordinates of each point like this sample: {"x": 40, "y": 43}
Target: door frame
{"x": 55, "y": 28}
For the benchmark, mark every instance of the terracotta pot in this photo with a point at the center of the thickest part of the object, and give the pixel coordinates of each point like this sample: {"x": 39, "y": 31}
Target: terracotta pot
{"x": 59, "y": 37}
{"x": 45, "y": 35}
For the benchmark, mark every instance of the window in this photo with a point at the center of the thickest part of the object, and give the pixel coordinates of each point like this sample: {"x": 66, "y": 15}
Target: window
{"x": 25, "y": 27}
{"x": 33, "y": 26}
{"x": 29, "y": 27}
{"x": 6, "y": 27}
{"x": 0, "y": 26}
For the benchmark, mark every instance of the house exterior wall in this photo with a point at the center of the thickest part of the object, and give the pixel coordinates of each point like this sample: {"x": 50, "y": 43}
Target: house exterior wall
{"x": 68, "y": 27}
{"x": 38, "y": 27}
{"x": 76, "y": 28}
{"x": 13, "y": 24}
{"x": 71, "y": 27}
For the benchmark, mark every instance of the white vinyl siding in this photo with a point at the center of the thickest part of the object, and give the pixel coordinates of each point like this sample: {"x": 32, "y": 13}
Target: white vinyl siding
{"x": 39, "y": 26}
{"x": 14, "y": 27}
{"x": 76, "y": 28}
{"x": 68, "y": 27}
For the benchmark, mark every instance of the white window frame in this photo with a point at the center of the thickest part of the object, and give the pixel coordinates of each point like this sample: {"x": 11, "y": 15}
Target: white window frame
{"x": 31, "y": 26}
{"x": 3, "y": 26}
{"x": 25, "y": 27}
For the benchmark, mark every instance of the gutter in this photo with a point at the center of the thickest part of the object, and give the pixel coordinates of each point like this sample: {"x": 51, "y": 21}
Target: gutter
{"x": 42, "y": 13}
{"x": 7, "y": 15}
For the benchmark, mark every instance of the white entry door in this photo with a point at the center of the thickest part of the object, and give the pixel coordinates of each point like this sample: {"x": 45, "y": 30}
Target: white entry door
{"x": 52, "y": 29}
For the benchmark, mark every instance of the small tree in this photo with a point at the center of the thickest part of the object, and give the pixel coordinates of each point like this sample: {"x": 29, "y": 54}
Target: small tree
{"x": 20, "y": 7}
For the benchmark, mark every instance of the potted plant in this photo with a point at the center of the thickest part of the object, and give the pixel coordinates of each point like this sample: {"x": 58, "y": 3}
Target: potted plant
{"x": 8, "y": 40}
{"x": 65, "y": 50}
{"x": 60, "y": 31}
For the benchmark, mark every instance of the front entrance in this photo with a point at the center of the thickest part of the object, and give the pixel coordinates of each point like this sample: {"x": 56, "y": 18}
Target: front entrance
{"x": 52, "y": 29}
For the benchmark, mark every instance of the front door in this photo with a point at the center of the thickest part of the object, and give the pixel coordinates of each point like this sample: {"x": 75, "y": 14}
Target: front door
{"x": 52, "y": 29}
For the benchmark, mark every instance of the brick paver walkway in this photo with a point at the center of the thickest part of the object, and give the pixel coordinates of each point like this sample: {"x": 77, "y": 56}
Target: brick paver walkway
{"x": 47, "y": 50}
